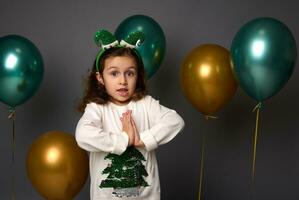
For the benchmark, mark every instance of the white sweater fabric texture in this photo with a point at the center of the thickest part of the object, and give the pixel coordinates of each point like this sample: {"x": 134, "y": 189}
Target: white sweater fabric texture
{"x": 99, "y": 131}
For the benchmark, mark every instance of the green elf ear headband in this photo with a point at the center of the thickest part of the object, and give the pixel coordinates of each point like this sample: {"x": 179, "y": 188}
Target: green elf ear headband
{"x": 105, "y": 40}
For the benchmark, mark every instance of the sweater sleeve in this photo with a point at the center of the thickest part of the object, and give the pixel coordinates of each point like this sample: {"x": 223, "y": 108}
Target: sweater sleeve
{"x": 90, "y": 135}
{"x": 165, "y": 124}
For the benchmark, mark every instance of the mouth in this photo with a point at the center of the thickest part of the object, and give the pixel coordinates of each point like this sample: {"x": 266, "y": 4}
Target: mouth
{"x": 123, "y": 92}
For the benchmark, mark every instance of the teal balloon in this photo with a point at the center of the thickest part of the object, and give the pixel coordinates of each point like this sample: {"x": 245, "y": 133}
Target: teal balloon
{"x": 263, "y": 54}
{"x": 21, "y": 69}
{"x": 152, "y": 50}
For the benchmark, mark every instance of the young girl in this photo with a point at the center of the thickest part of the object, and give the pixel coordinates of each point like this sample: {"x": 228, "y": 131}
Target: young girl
{"x": 121, "y": 125}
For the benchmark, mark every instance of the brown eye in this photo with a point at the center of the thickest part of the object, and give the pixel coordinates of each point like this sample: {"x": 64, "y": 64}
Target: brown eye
{"x": 114, "y": 73}
{"x": 131, "y": 73}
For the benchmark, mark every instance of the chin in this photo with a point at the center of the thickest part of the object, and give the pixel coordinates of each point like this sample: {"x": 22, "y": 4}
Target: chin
{"x": 122, "y": 100}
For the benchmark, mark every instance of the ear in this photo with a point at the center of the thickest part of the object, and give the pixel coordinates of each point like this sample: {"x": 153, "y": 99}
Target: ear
{"x": 100, "y": 78}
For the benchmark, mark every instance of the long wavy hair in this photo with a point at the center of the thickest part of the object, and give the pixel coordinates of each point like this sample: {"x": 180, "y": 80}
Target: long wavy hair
{"x": 96, "y": 92}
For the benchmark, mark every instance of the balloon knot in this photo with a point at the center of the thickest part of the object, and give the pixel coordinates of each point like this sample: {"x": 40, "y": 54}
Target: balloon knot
{"x": 259, "y": 106}
{"x": 11, "y": 113}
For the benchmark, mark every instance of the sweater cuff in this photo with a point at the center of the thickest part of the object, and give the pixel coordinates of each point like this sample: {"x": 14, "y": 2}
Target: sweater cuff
{"x": 121, "y": 143}
{"x": 149, "y": 141}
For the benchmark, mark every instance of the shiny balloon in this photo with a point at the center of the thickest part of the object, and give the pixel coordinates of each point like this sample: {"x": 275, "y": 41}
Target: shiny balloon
{"x": 263, "y": 54}
{"x": 207, "y": 78}
{"x": 56, "y": 166}
{"x": 21, "y": 69}
{"x": 152, "y": 50}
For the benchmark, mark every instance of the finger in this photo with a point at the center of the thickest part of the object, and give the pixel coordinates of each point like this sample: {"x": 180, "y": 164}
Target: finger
{"x": 128, "y": 119}
{"x": 135, "y": 127}
{"x": 130, "y": 112}
{"x": 125, "y": 117}
{"x": 132, "y": 121}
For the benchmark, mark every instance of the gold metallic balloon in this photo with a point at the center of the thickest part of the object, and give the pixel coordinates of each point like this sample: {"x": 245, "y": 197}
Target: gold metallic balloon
{"x": 207, "y": 78}
{"x": 56, "y": 166}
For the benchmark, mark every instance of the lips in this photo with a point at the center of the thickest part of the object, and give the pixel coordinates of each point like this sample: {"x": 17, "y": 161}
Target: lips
{"x": 123, "y": 91}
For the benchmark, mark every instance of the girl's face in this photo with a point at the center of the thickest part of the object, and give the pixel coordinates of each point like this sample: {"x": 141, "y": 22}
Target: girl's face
{"x": 119, "y": 78}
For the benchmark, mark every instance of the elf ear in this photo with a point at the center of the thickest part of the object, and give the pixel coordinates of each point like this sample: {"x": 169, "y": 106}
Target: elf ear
{"x": 100, "y": 78}
{"x": 105, "y": 39}
{"x": 133, "y": 40}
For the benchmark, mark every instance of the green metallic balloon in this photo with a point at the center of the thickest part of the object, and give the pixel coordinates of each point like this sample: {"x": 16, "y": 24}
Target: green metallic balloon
{"x": 21, "y": 69}
{"x": 152, "y": 50}
{"x": 263, "y": 54}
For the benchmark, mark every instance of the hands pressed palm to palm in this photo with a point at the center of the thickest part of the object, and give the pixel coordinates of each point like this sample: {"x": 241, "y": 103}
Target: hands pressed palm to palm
{"x": 130, "y": 128}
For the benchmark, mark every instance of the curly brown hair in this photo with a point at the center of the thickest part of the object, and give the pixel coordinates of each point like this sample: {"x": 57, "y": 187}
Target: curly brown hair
{"x": 96, "y": 92}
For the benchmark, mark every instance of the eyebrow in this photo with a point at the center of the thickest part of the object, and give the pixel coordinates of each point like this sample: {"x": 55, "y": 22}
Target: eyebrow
{"x": 112, "y": 67}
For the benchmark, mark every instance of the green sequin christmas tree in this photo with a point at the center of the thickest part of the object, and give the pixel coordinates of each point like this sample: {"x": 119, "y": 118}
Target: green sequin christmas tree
{"x": 125, "y": 171}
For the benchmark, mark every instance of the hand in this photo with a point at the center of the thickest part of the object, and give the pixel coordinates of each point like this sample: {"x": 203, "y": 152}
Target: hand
{"x": 127, "y": 127}
{"x": 137, "y": 141}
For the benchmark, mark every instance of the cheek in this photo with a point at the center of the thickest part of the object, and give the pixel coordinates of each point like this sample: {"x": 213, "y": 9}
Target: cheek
{"x": 134, "y": 82}
{"x": 108, "y": 83}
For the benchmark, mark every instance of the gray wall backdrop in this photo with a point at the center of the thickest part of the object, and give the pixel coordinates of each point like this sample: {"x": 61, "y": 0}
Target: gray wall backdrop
{"x": 63, "y": 32}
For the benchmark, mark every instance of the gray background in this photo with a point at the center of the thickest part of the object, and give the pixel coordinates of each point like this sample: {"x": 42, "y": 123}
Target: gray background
{"x": 63, "y": 32}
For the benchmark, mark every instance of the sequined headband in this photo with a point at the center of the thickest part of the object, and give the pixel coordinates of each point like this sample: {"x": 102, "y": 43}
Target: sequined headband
{"x": 105, "y": 40}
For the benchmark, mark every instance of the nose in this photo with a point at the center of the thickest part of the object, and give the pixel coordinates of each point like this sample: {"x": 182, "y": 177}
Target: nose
{"x": 123, "y": 80}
